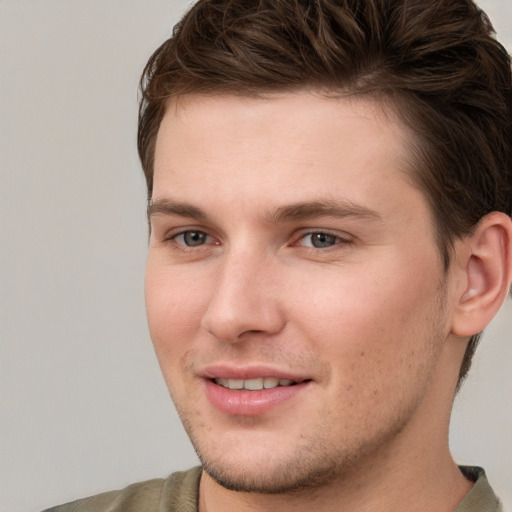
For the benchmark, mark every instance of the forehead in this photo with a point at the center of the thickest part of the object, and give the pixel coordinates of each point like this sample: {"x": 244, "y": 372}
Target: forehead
{"x": 307, "y": 125}
{"x": 298, "y": 111}
{"x": 305, "y": 140}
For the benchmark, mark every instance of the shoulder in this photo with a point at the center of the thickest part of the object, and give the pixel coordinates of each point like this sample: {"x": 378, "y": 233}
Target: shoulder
{"x": 481, "y": 498}
{"x": 177, "y": 492}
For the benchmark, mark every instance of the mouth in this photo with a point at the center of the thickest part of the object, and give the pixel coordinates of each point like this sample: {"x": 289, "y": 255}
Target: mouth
{"x": 252, "y": 391}
{"x": 257, "y": 384}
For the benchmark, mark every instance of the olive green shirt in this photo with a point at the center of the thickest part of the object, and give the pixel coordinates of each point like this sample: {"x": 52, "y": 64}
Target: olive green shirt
{"x": 179, "y": 493}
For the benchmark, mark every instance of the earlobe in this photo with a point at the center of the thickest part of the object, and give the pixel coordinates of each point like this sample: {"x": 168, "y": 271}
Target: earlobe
{"x": 485, "y": 267}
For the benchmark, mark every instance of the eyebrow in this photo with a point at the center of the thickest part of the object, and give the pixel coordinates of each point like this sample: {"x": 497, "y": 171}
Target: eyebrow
{"x": 294, "y": 212}
{"x": 316, "y": 209}
{"x": 168, "y": 207}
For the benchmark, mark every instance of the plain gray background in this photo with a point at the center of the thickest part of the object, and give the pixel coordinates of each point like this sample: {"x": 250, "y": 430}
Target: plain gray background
{"x": 83, "y": 406}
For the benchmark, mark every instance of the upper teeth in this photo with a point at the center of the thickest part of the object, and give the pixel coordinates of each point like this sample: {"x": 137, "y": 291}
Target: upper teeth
{"x": 254, "y": 384}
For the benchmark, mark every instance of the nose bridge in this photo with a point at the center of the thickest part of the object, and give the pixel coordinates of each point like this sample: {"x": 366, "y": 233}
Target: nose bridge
{"x": 243, "y": 298}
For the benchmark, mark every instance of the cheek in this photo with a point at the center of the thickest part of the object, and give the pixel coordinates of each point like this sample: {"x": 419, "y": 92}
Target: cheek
{"x": 174, "y": 309}
{"x": 174, "y": 305}
{"x": 374, "y": 326}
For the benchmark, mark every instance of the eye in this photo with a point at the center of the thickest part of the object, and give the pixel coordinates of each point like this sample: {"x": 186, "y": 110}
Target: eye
{"x": 192, "y": 238}
{"x": 320, "y": 240}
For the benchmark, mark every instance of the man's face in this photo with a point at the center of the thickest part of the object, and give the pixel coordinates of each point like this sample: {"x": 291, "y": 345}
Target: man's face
{"x": 290, "y": 252}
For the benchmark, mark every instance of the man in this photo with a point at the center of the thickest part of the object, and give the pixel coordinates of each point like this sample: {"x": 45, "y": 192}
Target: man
{"x": 330, "y": 191}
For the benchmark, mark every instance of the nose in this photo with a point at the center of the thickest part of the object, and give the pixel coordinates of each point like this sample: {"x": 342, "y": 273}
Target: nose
{"x": 244, "y": 300}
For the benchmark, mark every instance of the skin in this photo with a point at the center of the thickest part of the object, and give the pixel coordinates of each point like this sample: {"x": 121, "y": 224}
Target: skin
{"x": 366, "y": 317}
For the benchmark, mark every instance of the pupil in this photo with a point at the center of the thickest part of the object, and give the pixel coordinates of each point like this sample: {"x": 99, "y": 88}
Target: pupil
{"x": 323, "y": 240}
{"x": 194, "y": 237}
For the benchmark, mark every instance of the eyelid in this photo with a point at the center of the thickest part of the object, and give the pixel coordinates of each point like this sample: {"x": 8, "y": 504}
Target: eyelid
{"x": 343, "y": 239}
{"x": 191, "y": 230}
{"x": 171, "y": 235}
{"x": 343, "y": 236}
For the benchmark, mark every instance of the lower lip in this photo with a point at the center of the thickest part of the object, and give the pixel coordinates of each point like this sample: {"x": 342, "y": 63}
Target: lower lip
{"x": 250, "y": 403}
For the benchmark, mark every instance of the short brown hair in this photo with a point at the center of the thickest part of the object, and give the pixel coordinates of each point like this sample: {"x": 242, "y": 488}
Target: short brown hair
{"x": 437, "y": 61}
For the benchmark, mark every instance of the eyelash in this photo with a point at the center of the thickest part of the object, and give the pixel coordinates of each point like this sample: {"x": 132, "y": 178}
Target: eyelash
{"x": 182, "y": 246}
{"x": 339, "y": 240}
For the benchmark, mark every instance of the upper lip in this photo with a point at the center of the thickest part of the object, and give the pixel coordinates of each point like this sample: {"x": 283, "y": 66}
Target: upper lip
{"x": 222, "y": 371}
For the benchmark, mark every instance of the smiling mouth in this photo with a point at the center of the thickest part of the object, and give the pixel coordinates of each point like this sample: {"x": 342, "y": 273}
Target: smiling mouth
{"x": 254, "y": 384}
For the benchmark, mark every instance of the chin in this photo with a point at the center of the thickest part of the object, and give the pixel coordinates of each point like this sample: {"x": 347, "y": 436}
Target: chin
{"x": 288, "y": 477}
{"x": 295, "y": 464}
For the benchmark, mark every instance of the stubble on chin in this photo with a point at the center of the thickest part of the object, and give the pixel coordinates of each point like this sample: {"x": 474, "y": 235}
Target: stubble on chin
{"x": 313, "y": 464}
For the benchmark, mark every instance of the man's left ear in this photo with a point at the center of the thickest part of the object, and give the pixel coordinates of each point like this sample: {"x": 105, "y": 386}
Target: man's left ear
{"x": 484, "y": 272}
